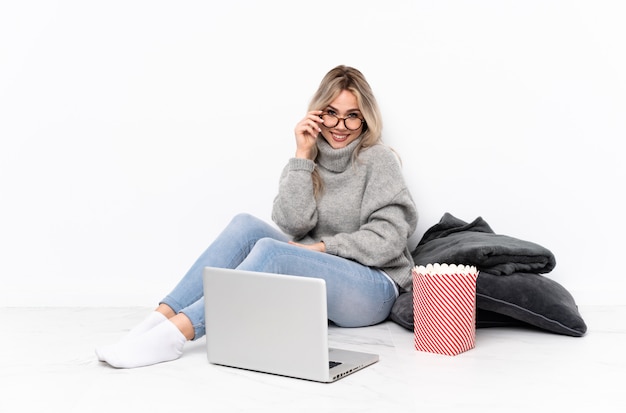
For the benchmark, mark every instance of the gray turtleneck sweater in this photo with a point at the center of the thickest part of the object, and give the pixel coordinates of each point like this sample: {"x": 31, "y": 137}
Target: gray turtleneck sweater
{"x": 365, "y": 212}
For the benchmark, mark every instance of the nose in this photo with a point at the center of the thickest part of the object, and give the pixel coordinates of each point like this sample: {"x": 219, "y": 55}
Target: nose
{"x": 342, "y": 121}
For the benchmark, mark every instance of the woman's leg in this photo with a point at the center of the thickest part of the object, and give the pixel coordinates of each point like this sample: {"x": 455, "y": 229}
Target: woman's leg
{"x": 184, "y": 306}
{"x": 228, "y": 250}
{"x": 357, "y": 295}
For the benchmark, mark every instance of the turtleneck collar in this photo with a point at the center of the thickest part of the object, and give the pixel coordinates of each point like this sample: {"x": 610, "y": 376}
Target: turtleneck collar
{"x": 335, "y": 160}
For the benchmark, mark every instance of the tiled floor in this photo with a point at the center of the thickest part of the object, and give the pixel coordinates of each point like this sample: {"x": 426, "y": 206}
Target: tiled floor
{"x": 47, "y": 363}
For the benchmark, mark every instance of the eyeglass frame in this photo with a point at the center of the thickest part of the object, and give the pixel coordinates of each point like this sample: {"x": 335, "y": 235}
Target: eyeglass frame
{"x": 339, "y": 119}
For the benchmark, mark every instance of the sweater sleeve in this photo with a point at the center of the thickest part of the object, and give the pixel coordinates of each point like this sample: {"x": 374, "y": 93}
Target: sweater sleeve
{"x": 294, "y": 210}
{"x": 388, "y": 216}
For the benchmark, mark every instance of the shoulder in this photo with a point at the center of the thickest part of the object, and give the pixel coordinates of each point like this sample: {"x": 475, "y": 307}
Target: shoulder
{"x": 380, "y": 156}
{"x": 385, "y": 180}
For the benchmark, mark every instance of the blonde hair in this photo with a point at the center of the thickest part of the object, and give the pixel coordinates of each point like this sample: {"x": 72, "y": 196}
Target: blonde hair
{"x": 348, "y": 78}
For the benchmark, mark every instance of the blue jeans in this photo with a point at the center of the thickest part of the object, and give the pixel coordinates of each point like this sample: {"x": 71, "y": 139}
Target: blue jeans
{"x": 357, "y": 295}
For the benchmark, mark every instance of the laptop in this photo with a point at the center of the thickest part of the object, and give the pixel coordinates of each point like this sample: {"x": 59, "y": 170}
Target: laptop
{"x": 273, "y": 323}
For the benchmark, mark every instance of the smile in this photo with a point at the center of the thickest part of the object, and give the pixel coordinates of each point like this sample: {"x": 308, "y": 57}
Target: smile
{"x": 340, "y": 138}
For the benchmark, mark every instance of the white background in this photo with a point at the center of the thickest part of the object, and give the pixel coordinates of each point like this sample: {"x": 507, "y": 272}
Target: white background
{"x": 132, "y": 131}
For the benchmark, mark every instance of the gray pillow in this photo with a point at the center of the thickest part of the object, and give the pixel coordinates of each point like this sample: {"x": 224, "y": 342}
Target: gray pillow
{"x": 533, "y": 299}
{"x": 513, "y": 300}
{"x": 510, "y": 289}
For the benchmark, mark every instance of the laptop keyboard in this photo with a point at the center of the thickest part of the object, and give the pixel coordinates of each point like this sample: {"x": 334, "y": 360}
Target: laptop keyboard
{"x": 332, "y": 364}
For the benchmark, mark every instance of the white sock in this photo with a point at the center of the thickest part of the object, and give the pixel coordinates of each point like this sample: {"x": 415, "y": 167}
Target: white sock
{"x": 164, "y": 342}
{"x": 152, "y": 320}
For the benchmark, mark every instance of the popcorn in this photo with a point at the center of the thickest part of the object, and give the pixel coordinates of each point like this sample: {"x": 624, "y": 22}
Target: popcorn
{"x": 444, "y": 308}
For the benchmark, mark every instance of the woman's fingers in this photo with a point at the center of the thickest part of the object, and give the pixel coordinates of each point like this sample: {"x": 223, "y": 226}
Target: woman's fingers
{"x": 310, "y": 124}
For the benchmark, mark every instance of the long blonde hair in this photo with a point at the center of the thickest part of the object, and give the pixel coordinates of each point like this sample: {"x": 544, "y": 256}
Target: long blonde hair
{"x": 348, "y": 78}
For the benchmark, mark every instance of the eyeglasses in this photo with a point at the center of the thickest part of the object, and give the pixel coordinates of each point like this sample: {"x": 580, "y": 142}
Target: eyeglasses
{"x": 351, "y": 122}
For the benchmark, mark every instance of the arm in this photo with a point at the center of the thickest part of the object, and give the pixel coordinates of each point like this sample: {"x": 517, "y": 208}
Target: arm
{"x": 295, "y": 208}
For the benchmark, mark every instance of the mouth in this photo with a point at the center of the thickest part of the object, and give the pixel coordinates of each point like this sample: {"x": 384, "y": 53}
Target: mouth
{"x": 340, "y": 137}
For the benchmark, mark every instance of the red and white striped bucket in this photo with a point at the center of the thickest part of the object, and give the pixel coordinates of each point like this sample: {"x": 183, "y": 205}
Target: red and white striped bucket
{"x": 444, "y": 308}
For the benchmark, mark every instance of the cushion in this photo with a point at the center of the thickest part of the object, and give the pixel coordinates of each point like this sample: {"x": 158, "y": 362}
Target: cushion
{"x": 510, "y": 289}
{"x": 453, "y": 241}
{"x": 513, "y": 300}
{"x": 402, "y": 314}
{"x": 488, "y": 319}
{"x": 402, "y": 310}
{"x": 533, "y": 299}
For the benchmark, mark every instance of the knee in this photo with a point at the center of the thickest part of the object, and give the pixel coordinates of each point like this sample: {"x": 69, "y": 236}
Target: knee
{"x": 267, "y": 246}
{"x": 266, "y": 256}
{"x": 244, "y": 222}
{"x": 243, "y": 219}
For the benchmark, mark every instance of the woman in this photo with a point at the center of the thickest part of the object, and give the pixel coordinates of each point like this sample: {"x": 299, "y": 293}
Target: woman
{"x": 345, "y": 215}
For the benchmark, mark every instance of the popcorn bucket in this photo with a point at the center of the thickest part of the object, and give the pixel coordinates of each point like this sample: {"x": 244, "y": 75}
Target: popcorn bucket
{"x": 444, "y": 308}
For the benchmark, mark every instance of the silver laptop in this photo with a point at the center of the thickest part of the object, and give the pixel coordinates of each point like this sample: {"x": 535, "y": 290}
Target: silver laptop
{"x": 273, "y": 324}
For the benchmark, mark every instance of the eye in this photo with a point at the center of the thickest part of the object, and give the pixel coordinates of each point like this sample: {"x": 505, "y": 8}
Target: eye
{"x": 331, "y": 112}
{"x": 353, "y": 115}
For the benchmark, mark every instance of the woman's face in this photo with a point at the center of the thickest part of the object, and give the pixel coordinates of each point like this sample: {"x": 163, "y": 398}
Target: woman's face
{"x": 344, "y": 106}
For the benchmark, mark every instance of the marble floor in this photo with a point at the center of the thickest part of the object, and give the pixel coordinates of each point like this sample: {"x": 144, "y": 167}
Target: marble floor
{"x": 47, "y": 363}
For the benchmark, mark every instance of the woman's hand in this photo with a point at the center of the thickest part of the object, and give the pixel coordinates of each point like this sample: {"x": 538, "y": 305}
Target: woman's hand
{"x": 306, "y": 132}
{"x": 318, "y": 246}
